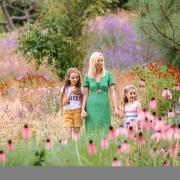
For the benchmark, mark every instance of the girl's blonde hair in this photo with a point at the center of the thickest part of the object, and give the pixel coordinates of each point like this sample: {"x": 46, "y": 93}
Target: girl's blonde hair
{"x": 67, "y": 81}
{"x": 126, "y": 90}
{"x": 93, "y": 60}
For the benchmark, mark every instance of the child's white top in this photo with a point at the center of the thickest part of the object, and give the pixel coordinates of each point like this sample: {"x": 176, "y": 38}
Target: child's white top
{"x": 74, "y": 100}
{"x": 130, "y": 111}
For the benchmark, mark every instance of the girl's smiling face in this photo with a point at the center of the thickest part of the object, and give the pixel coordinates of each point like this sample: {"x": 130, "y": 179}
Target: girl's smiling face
{"x": 74, "y": 77}
{"x": 131, "y": 95}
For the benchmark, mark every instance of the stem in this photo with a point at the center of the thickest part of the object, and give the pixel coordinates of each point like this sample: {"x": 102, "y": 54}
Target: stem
{"x": 77, "y": 152}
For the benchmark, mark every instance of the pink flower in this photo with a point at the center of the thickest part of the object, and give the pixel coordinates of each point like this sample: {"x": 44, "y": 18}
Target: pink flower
{"x": 112, "y": 134}
{"x": 148, "y": 124}
{"x": 10, "y": 145}
{"x": 116, "y": 163}
{"x": 26, "y": 132}
{"x": 129, "y": 162}
{"x": 176, "y": 87}
{"x": 2, "y": 156}
{"x": 121, "y": 131}
{"x": 142, "y": 82}
{"x": 144, "y": 115}
{"x": 63, "y": 142}
{"x": 153, "y": 103}
{"x": 104, "y": 143}
{"x": 131, "y": 132}
{"x": 177, "y": 133}
{"x": 166, "y": 93}
{"x": 124, "y": 148}
{"x": 92, "y": 147}
{"x": 170, "y": 114}
{"x": 140, "y": 139}
{"x": 48, "y": 144}
{"x": 141, "y": 85}
{"x": 75, "y": 135}
{"x": 159, "y": 124}
{"x": 173, "y": 150}
{"x": 157, "y": 136}
{"x": 165, "y": 164}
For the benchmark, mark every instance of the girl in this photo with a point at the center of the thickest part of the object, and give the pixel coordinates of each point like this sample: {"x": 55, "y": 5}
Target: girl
{"x": 132, "y": 107}
{"x": 72, "y": 93}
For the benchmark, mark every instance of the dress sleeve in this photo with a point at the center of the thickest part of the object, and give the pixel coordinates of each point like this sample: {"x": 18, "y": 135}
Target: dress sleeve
{"x": 111, "y": 80}
{"x": 86, "y": 82}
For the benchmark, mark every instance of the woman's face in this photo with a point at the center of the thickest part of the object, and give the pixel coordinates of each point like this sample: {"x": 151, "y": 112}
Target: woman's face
{"x": 99, "y": 64}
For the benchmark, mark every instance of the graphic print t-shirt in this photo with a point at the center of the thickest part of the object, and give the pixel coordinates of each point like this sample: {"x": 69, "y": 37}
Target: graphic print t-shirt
{"x": 74, "y": 100}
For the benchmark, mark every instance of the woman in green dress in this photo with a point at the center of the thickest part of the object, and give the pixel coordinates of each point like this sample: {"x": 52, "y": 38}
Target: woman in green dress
{"x": 96, "y": 104}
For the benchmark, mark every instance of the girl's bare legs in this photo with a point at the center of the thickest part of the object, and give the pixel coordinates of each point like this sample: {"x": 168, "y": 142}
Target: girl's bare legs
{"x": 68, "y": 134}
{"x": 77, "y": 129}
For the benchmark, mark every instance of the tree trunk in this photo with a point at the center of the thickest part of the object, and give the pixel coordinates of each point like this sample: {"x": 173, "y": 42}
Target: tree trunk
{"x": 8, "y": 18}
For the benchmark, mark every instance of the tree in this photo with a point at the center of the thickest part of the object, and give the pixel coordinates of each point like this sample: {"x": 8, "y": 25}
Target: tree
{"x": 16, "y": 12}
{"x": 59, "y": 35}
{"x": 159, "y": 21}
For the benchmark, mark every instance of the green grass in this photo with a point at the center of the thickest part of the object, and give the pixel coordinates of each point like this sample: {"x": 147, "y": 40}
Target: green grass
{"x": 76, "y": 153}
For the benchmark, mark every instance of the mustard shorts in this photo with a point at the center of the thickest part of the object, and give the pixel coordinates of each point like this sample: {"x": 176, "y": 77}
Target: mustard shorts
{"x": 72, "y": 118}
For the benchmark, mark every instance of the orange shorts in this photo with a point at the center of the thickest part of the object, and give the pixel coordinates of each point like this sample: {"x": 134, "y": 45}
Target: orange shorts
{"x": 72, "y": 118}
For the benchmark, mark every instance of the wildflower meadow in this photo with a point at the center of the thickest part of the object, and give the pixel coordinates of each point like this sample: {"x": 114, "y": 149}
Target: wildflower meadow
{"x": 34, "y": 57}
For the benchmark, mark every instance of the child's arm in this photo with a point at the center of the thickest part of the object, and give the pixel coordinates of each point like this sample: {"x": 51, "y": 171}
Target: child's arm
{"x": 86, "y": 94}
{"x": 121, "y": 110}
{"x": 139, "y": 108}
{"x": 66, "y": 98}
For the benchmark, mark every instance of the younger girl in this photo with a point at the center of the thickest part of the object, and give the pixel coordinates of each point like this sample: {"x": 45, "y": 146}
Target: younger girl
{"x": 132, "y": 107}
{"x": 72, "y": 93}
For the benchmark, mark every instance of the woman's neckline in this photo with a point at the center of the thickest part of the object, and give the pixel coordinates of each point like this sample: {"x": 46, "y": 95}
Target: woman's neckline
{"x": 100, "y": 77}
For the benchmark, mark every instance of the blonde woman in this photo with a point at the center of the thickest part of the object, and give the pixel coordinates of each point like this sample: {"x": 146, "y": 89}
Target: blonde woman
{"x": 96, "y": 104}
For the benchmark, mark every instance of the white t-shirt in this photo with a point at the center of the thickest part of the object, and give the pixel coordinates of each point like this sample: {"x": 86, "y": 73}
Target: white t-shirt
{"x": 74, "y": 100}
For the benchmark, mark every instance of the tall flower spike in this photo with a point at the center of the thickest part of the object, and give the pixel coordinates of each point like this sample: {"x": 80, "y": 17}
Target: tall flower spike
{"x": 2, "y": 156}
{"x": 10, "y": 145}
{"x": 116, "y": 163}
{"x": 166, "y": 93}
{"x": 112, "y": 134}
{"x": 48, "y": 144}
{"x": 104, "y": 143}
{"x": 153, "y": 103}
{"x": 170, "y": 114}
{"x": 26, "y": 132}
{"x": 75, "y": 135}
{"x": 92, "y": 147}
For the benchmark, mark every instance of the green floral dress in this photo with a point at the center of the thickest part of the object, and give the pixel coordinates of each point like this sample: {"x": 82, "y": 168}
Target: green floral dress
{"x": 98, "y": 103}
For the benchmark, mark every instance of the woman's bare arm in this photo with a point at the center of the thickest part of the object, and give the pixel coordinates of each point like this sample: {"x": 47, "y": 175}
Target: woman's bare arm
{"x": 113, "y": 96}
{"x": 86, "y": 94}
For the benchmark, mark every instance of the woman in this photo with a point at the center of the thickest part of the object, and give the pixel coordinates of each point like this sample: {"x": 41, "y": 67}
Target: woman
{"x": 96, "y": 105}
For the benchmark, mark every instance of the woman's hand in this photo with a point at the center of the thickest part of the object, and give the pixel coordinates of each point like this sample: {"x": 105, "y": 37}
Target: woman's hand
{"x": 83, "y": 114}
{"x": 121, "y": 112}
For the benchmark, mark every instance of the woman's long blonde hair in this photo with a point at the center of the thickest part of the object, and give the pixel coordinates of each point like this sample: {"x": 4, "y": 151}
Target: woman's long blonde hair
{"x": 93, "y": 60}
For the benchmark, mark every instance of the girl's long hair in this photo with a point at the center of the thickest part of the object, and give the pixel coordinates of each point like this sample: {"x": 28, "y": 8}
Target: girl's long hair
{"x": 126, "y": 90}
{"x": 67, "y": 81}
{"x": 93, "y": 60}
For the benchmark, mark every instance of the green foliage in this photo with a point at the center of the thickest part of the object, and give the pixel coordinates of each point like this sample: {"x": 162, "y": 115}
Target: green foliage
{"x": 156, "y": 80}
{"x": 32, "y": 153}
{"x": 59, "y": 35}
{"x": 159, "y": 21}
